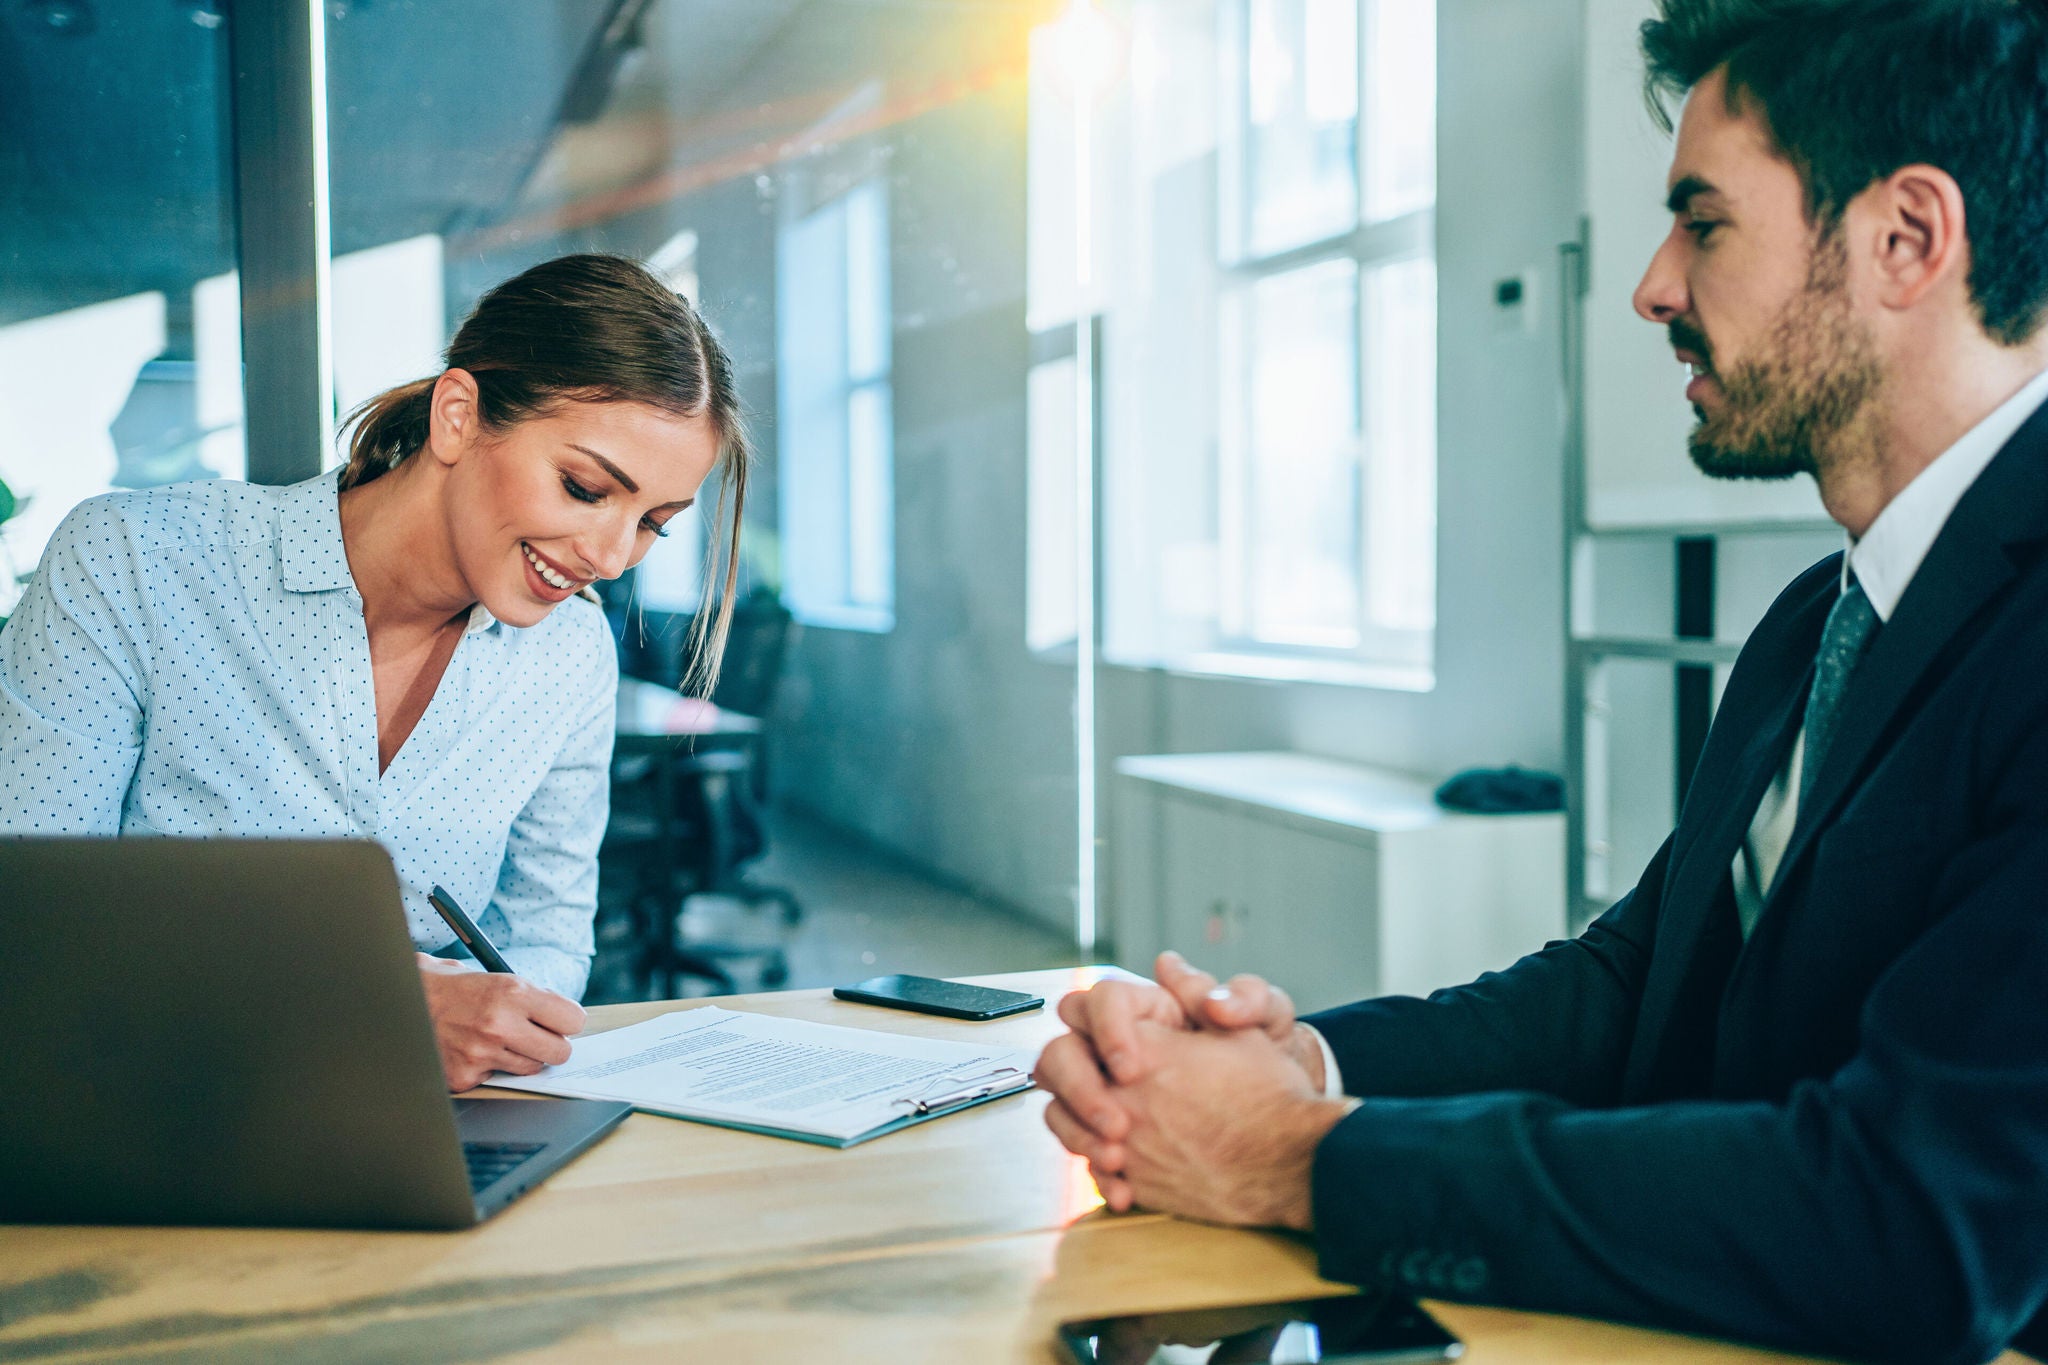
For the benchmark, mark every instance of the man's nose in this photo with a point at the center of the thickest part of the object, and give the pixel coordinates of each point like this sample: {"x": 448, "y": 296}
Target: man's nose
{"x": 1661, "y": 294}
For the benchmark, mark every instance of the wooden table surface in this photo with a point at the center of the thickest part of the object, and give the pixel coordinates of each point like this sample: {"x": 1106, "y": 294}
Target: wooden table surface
{"x": 966, "y": 1239}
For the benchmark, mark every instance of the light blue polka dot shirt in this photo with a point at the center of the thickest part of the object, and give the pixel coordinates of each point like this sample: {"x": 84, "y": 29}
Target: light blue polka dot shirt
{"x": 192, "y": 660}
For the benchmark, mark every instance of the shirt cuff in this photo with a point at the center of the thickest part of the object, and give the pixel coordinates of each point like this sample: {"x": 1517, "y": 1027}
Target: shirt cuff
{"x": 1333, "y": 1078}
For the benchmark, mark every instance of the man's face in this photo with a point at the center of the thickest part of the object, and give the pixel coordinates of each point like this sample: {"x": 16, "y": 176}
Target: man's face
{"x": 1756, "y": 301}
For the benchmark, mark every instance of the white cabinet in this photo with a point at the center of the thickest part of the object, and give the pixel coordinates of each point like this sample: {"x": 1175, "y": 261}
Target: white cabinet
{"x": 1333, "y": 880}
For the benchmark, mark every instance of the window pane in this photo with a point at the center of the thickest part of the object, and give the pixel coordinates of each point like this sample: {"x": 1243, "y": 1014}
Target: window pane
{"x": 810, "y": 337}
{"x": 870, "y": 495}
{"x": 867, "y": 283}
{"x": 1301, "y": 103}
{"x": 1302, "y": 494}
{"x": 1400, "y": 445}
{"x": 1400, "y": 139}
{"x": 1051, "y": 572}
{"x": 120, "y": 355}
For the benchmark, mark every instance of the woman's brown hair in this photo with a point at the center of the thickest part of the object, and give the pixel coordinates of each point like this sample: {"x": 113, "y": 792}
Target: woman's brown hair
{"x": 596, "y": 329}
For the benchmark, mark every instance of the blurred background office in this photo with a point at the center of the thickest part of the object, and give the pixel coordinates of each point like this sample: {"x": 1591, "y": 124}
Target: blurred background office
{"x": 1188, "y": 430}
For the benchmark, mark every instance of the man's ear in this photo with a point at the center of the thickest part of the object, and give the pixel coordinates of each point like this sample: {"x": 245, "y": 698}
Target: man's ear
{"x": 1914, "y": 219}
{"x": 453, "y": 416}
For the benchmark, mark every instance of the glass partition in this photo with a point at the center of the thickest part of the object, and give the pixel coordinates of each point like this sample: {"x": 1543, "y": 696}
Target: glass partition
{"x": 840, "y": 186}
{"x": 120, "y": 346}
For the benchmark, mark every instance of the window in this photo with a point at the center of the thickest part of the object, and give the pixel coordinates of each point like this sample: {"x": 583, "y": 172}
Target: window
{"x": 835, "y": 426}
{"x": 1326, "y": 443}
{"x": 1266, "y": 382}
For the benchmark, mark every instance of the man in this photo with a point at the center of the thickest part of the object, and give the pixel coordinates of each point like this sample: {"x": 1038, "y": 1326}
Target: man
{"x": 1794, "y": 1087}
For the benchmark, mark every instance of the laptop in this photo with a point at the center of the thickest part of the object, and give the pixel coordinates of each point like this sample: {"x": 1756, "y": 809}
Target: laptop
{"x": 232, "y": 1031}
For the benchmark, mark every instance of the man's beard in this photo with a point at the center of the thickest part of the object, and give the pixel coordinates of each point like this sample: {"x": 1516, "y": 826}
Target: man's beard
{"x": 1786, "y": 411}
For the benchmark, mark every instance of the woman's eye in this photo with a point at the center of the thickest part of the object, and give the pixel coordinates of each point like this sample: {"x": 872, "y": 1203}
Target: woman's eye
{"x": 579, "y": 492}
{"x": 659, "y": 528}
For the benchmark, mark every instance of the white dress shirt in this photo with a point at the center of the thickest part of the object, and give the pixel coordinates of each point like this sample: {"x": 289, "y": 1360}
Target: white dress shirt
{"x": 192, "y": 661}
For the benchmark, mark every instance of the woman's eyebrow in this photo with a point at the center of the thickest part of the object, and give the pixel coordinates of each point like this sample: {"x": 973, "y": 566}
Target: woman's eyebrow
{"x": 609, "y": 467}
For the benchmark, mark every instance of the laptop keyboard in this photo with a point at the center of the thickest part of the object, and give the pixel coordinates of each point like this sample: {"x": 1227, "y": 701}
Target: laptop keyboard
{"x": 490, "y": 1161}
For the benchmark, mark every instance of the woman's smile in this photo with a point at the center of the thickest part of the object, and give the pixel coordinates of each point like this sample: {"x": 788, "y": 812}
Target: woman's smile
{"x": 550, "y": 582}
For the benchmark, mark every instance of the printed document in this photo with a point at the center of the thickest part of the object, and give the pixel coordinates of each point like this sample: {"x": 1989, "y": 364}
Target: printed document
{"x": 788, "y": 1077}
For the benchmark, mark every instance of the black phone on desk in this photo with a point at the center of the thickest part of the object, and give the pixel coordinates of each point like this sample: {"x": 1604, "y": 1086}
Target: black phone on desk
{"x": 1379, "y": 1329}
{"x": 928, "y": 995}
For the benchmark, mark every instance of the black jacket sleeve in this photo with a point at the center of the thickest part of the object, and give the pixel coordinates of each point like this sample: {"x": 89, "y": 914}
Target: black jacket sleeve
{"x": 1892, "y": 1210}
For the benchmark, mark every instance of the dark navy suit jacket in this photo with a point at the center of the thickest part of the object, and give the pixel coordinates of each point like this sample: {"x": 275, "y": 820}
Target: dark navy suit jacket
{"x": 1832, "y": 1137}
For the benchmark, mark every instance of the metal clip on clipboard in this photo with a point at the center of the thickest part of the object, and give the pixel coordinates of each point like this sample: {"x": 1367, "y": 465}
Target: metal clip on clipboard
{"x": 1001, "y": 1081}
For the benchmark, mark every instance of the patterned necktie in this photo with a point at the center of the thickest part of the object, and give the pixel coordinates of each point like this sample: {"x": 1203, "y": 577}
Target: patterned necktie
{"x": 1843, "y": 642}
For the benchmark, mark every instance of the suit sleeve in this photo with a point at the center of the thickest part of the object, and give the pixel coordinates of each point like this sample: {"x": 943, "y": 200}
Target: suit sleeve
{"x": 1891, "y": 1211}
{"x": 1557, "y": 1022}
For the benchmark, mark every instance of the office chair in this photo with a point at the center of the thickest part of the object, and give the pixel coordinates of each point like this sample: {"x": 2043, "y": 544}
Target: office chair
{"x": 689, "y": 823}
{"x": 728, "y": 789}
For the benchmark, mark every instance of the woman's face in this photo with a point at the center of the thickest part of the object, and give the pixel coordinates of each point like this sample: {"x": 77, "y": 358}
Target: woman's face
{"x": 545, "y": 508}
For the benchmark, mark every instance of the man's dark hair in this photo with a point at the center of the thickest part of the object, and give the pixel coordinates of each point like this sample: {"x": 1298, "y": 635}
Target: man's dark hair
{"x": 1851, "y": 90}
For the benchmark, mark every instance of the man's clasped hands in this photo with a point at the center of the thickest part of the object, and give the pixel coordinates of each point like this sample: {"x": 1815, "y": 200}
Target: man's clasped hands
{"x": 1191, "y": 1098}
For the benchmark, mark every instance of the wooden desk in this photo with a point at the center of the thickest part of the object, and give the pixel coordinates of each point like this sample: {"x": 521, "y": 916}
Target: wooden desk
{"x": 964, "y": 1240}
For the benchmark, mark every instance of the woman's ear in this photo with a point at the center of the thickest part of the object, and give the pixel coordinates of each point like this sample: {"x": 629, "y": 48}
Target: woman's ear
{"x": 453, "y": 416}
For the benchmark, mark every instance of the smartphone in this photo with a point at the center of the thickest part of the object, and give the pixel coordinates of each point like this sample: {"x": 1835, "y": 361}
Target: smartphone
{"x": 1377, "y": 1328}
{"x": 928, "y": 995}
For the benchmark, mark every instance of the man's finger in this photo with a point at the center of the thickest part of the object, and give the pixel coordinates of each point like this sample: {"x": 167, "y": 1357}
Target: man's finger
{"x": 1074, "y": 1009}
{"x": 1250, "y": 1002}
{"x": 1189, "y": 986}
{"x": 1116, "y": 1190}
{"x": 1069, "y": 1071}
{"x": 1115, "y": 1007}
{"x": 1079, "y": 1139}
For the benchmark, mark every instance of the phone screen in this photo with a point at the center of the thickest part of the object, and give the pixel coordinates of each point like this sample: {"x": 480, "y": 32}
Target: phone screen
{"x": 1376, "y": 1328}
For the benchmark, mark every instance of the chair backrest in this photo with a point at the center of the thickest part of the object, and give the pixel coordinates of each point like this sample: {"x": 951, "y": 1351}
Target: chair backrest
{"x": 752, "y": 669}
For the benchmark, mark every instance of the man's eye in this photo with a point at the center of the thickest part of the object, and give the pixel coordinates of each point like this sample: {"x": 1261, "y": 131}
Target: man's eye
{"x": 579, "y": 492}
{"x": 1701, "y": 228}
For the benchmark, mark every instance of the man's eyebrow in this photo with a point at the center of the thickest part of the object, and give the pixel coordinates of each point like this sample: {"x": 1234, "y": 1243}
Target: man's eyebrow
{"x": 1683, "y": 193}
{"x": 609, "y": 468}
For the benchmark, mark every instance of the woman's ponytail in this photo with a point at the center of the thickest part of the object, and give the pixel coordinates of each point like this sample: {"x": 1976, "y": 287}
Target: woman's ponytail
{"x": 386, "y": 429}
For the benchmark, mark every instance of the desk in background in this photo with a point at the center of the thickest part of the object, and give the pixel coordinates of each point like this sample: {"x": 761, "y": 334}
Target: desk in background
{"x": 685, "y": 751}
{"x": 963, "y": 1240}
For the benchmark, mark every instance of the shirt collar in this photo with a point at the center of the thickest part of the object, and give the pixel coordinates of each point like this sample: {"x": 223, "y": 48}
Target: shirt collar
{"x": 310, "y": 553}
{"x": 1890, "y": 552}
{"x": 309, "y": 536}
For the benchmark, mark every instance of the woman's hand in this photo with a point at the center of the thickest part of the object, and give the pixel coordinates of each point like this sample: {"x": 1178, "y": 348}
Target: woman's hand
{"x": 494, "y": 1021}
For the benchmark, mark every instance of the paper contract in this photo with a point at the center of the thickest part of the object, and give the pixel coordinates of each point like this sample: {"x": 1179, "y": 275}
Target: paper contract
{"x": 788, "y": 1077}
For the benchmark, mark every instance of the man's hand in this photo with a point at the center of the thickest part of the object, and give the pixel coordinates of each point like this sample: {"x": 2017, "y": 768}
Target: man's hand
{"x": 493, "y": 1021}
{"x": 1079, "y": 1068}
{"x": 1223, "y": 1129}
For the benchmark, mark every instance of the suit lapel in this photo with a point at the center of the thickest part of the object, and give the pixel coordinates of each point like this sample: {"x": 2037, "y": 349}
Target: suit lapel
{"x": 1697, "y": 932}
{"x": 1969, "y": 563}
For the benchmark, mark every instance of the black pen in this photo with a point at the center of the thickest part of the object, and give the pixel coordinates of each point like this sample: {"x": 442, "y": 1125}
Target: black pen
{"x": 481, "y": 948}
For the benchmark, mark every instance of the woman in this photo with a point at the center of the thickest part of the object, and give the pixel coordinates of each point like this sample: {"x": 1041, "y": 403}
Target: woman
{"x": 408, "y": 651}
